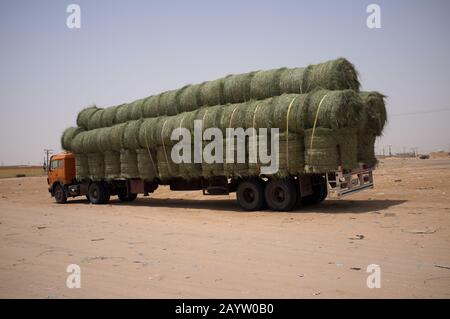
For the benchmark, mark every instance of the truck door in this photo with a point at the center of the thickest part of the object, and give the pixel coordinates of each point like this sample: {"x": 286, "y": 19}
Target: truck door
{"x": 56, "y": 171}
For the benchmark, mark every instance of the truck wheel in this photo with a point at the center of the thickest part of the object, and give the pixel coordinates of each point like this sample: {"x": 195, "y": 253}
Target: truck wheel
{"x": 281, "y": 194}
{"x": 60, "y": 194}
{"x": 98, "y": 193}
{"x": 319, "y": 194}
{"x": 124, "y": 197}
{"x": 250, "y": 194}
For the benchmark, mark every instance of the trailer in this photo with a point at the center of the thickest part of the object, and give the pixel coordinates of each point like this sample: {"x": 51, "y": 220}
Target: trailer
{"x": 252, "y": 193}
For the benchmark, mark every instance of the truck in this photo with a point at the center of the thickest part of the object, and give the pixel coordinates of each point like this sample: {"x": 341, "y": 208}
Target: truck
{"x": 252, "y": 193}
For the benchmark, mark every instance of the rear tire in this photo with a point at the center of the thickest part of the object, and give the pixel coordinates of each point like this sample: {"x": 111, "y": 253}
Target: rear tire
{"x": 126, "y": 197}
{"x": 281, "y": 194}
{"x": 60, "y": 194}
{"x": 250, "y": 194}
{"x": 98, "y": 193}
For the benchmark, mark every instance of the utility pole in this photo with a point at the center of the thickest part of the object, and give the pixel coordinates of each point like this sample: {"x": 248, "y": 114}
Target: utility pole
{"x": 390, "y": 150}
{"x": 47, "y": 152}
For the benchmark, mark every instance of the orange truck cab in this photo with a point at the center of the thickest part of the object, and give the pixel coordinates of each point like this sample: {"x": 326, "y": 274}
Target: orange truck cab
{"x": 60, "y": 173}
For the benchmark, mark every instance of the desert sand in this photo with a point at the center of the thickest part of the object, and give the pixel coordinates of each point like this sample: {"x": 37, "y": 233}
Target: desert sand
{"x": 186, "y": 245}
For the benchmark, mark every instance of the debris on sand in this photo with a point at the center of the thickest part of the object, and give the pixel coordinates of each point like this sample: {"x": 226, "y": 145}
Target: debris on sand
{"x": 357, "y": 237}
{"x": 442, "y": 266}
{"x": 97, "y": 239}
{"x": 389, "y": 215}
{"x": 355, "y": 268}
{"x": 420, "y": 231}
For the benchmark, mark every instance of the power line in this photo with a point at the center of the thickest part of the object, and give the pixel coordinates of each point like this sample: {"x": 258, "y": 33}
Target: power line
{"x": 421, "y": 112}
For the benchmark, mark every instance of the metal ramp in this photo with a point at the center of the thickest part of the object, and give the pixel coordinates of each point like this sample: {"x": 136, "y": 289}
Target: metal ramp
{"x": 341, "y": 183}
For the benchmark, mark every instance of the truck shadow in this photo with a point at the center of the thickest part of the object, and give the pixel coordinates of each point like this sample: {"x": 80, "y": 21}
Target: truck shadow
{"x": 332, "y": 206}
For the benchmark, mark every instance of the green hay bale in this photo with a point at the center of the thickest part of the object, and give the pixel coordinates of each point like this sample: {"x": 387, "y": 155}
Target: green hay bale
{"x": 147, "y": 133}
{"x": 263, "y": 116}
{"x": 78, "y": 142}
{"x": 130, "y": 137}
{"x": 128, "y": 164}
{"x": 84, "y": 116}
{"x": 236, "y": 88}
{"x": 266, "y": 84}
{"x": 95, "y": 121}
{"x": 288, "y": 112}
{"x": 166, "y": 168}
{"x": 168, "y": 103}
{"x": 151, "y": 106}
{"x": 234, "y": 169}
{"x": 123, "y": 114}
{"x": 81, "y": 167}
{"x": 293, "y": 80}
{"x": 112, "y": 164}
{"x": 334, "y": 109}
{"x": 211, "y": 93}
{"x": 147, "y": 166}
{"x": 96, "y": 164}
{"x": 366, "y": 150}
{"x": 116, "y": 136}
{"x": 337, "y": 74}
{"x": 189, "y": 98}
{"x": 109, "y": 116}
{"x": 103, "y": 138}
{"x": 291, "y": 154}
{"x": 68, "y": 136}
{"x": 374, "y": 106}
{"x": 90, "y": 142}
{"x": 328, "y": 149}
{"x": 136, "y": 109}
{"x": 211, "y": 118}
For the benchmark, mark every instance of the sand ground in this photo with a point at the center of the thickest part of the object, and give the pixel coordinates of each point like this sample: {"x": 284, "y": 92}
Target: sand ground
{"x": 186, "y": 245}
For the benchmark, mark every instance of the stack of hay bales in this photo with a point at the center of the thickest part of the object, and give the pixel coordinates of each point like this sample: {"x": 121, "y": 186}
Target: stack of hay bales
{"x": 323, "y": 123}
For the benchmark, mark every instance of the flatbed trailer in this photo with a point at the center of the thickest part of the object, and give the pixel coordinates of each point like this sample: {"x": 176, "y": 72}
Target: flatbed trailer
{"x": 253, "y": 193}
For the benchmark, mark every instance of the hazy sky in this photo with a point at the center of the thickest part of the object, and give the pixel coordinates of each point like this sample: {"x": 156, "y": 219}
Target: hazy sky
{"x": 127, "y": 50}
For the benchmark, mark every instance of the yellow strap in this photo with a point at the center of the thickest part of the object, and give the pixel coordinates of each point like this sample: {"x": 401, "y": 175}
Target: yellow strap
{"x": 253, "y": 125}
{"x": 149, "y": 153}
{"x": 315, "y": 120}
{"x": 287, "y": 132}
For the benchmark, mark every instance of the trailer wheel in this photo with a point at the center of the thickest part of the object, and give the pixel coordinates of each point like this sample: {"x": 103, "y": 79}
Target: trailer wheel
{"x": 124, "y": 197}
{"x": 281, "y": 194}
{"x": 250, "y": 194}
{"x": 98, "y": 193}
{"x": 60, "y": 194}
{"x": 319, "y": 194}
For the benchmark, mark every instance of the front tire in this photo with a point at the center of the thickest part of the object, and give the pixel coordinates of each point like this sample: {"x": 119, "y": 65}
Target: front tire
{"x": 98, "y": 193}
{"x": 60, "y": 194}
{"x": 250, "y": 194}
{"x": 281, "y": 194}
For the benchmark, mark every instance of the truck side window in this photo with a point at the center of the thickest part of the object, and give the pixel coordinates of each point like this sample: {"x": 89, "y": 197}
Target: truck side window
{"x": 60, "y": 163}
{"x": 54, "y": 164}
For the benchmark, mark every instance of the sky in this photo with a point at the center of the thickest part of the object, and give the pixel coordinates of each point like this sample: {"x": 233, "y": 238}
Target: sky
{"x": 127, "y": 50}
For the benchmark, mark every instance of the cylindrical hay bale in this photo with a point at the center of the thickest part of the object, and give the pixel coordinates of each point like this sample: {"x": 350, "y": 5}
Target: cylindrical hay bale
{"x": 288, "y": 112}
{"x": 68, "y": 136}
{"x": 233, "y": 167}
{"x": 189, "y": 98}
{"x": 96, "y": 163}
{"x": 147, "y": 133}
{"x": 263, "y": 116}
{"x": 81, "y": 167}
{"x": 168, "y": 103}
{"x": 211, "y": 92}
{"x": 90, "y": 142}
{"x": 374, "y": 106}
{"x": 266, "y": 84}
{"x": 112, "y": 164}
{"x": 211, "y": 119}
{"x": 103, "y": 137}
{"x": 136, "y": 109}
{"x": 128, "y": 164}
{"x": 77, "y": 144}
{"x": 147, "y": 166}
{"x": 95, "y": 121}
{"x": 167, "y": 169}
{"x": 151, "y": 106}
{"x": 328, "y": 149}
{"x": 109, "y": 116}
{"x": 116, "y": 136}
{"x": 291, "y": 150}
{"x": 333, "y": 109}
{"x": 131, "y": 135}
{"x": 337, "y": 74}
{"x": 293, "y": 81}
{"x": 236, "y": 88}
{"x": 366, "y": 150}
{"x": 84, "y": 116}
{"x": 123, "y": 114}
